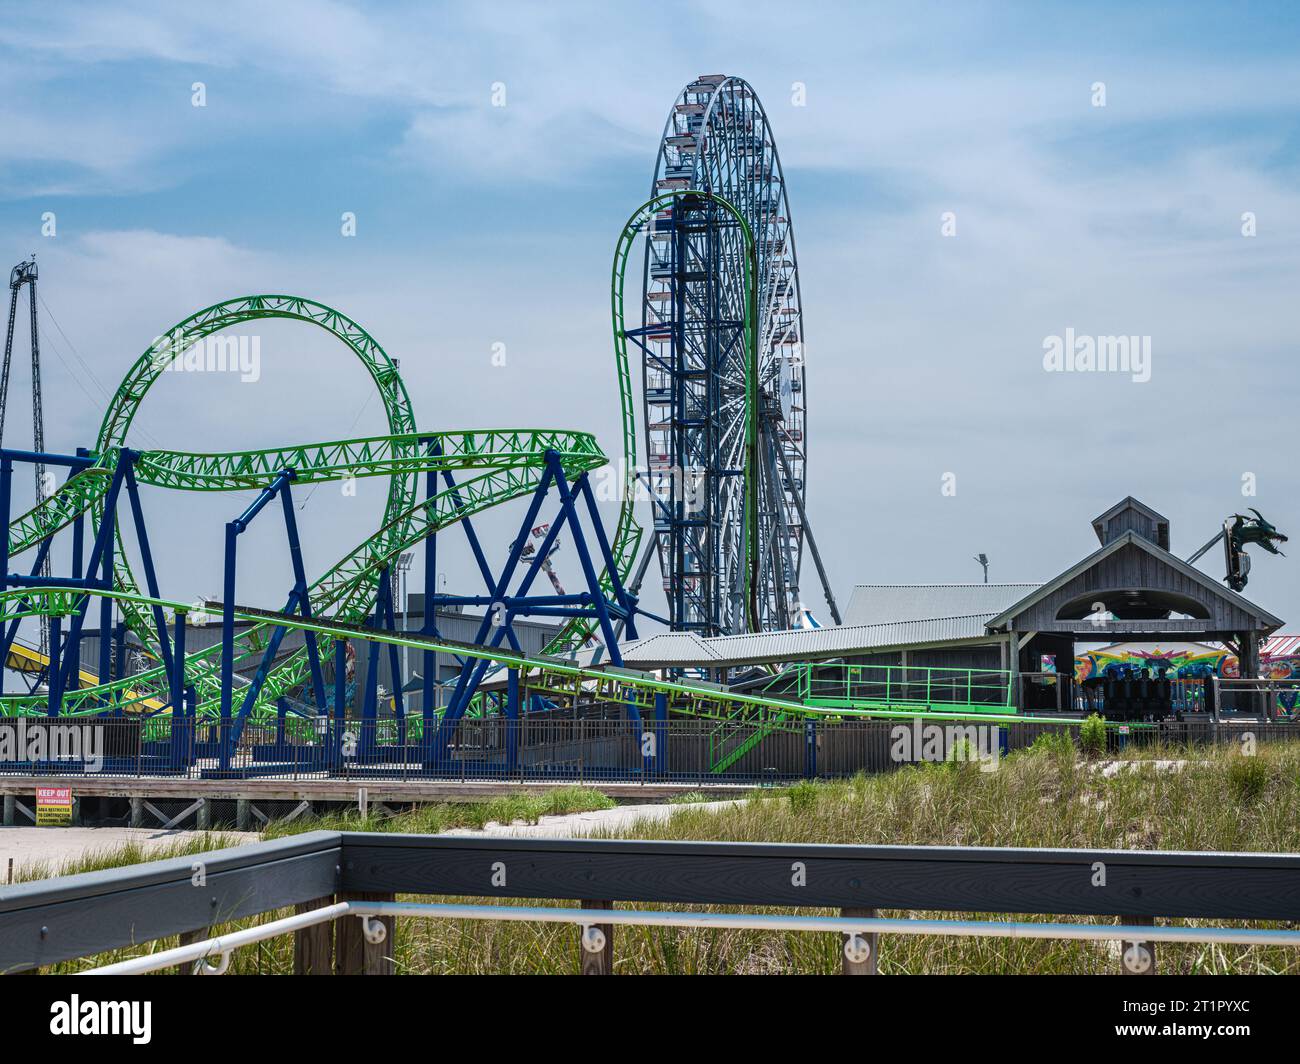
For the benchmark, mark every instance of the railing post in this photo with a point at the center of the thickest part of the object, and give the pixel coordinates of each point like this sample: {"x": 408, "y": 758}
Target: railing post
{"x": 353, "y": 953}
{"x": 187, "y": 938}
{"x": 598, "y": 961}
{"x": 859, "y": 966}
{"x": 313, "y": 947}
{"x": 1139, "y": 958}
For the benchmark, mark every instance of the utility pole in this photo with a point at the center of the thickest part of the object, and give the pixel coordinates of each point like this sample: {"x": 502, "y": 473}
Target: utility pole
{"x": 25, "y": 274}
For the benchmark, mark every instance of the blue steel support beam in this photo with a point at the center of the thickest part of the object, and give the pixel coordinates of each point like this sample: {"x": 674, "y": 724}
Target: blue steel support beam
{"x": 233, "y": 530}
{"x": 11, "y": 631}
{"x": 53, "y": 674}
{"x": 72, "y": 663}
{"x": 181, "y": 723}
{"x": 480, "y": 558}
{"x": 227, "y": 645}
{"x": 429, "y": 626}
{"x": 119, "y": 657}
{"x": 304, "y": 599}
{"x": 78, "y": 571}
{"x": 340, "y": 693}
{"x": 146, "y": 555}
{"x": 625, "y": 601}
{"x": 470, "y": 676}
{"x": 370, "y": 707}
{"x": 584, "y": 556}
{"x": 394, "y": 659}
{"x": 78, "y": 461}
{"x": 512, "y": 720}
{"x": 661, "y": 732}
{"x": 264, "y": 667}
{"x": 177, "y": 672}
{"x": 101, "y": 555}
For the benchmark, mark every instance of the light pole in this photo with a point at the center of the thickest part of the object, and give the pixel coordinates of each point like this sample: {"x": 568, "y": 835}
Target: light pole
{"x": 983, "y": 559}
{"x": 403, "y": 567}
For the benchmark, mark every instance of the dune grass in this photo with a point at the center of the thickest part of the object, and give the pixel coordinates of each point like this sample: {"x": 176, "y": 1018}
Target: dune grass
{"x": 127, "y": 853}
{"x": 519, "y": 807}
{"x": 1162, "y": 798}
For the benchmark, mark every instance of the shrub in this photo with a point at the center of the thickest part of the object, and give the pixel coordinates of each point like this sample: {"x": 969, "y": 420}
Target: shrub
{"x": 1247, "y": 778}
{"x": 1092, "y": 736}
{"x": 1055, "y": 743}
{"x": 962, "y": 754}
{"x": 803, "y": 796}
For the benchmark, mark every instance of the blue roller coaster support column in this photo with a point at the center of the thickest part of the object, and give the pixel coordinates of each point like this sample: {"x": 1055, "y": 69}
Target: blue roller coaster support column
{"x": 76, "y": 463}
{"x": 11, "y": 632}
{"x": 513, "y": 723}
{"x": 227, "y": 645}
{"x": 340, "y": 695}
{"x": 503, "y": 608}
{"x": 429, "y": 625}
{"x": 101, "y": 557}
{"x": 621, "y": 595}
{"x": 54, "y": 673}
{"x": 181, "y": 723}
{"x": 233, "y": 530}
{"x": 304, "y": 598}
{"x": 298, "y": 601}
{"x": 146, "y": 556}
{"x": 119, "y": 658}
{"x": 395, "y": 660}
{"x": 370, "y": 707}
{"x": 489, "y": 581}
{"x": 78, "y": 572}
{"x": 102, "y": 554}
{"x": 661, "y": 733}
{"x": 584, "y": 556}
{"x": 178, "y": 666}
{"x": 471, "y": 673}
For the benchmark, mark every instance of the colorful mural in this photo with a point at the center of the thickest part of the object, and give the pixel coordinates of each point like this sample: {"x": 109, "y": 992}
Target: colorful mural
{"x": 1190, "y": 661}
{"x": 1183, "y": 661}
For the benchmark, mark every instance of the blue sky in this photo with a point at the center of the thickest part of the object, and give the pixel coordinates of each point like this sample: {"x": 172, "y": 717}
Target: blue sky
{"x": 479, "y": 225}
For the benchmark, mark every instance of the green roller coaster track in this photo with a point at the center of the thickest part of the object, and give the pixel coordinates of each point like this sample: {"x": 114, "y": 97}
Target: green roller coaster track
{"x": 493, "y": 466}
{"x": 497, "y": 465}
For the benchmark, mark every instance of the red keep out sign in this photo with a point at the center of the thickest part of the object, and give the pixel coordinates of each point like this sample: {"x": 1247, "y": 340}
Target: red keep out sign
{"x": 53, "y": 806}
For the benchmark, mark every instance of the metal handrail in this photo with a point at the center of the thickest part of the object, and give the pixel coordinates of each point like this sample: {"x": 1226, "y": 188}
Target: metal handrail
{"x": 855, "y": 929}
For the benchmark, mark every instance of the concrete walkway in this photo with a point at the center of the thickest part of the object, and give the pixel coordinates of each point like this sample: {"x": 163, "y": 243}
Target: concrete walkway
{"x": 576, "y": 825}
{"x": 53, "y": 847}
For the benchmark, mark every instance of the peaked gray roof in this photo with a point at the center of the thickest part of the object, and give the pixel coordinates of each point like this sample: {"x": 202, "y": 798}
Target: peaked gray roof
{"x": 1142, "y": 543}
{"x": 1130, "y": 503}
{"x": 890, "y": 603}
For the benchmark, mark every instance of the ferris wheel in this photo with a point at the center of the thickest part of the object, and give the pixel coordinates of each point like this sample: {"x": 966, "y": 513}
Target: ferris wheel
{"x": 713, "y": 489}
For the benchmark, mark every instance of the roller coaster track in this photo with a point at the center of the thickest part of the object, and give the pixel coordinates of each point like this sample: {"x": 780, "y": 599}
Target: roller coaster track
{"x": 491, "y": 467}
{"x": 602, "y": 683}
{"x": 498, "y": 465}
{"x": 503, "y": 465}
